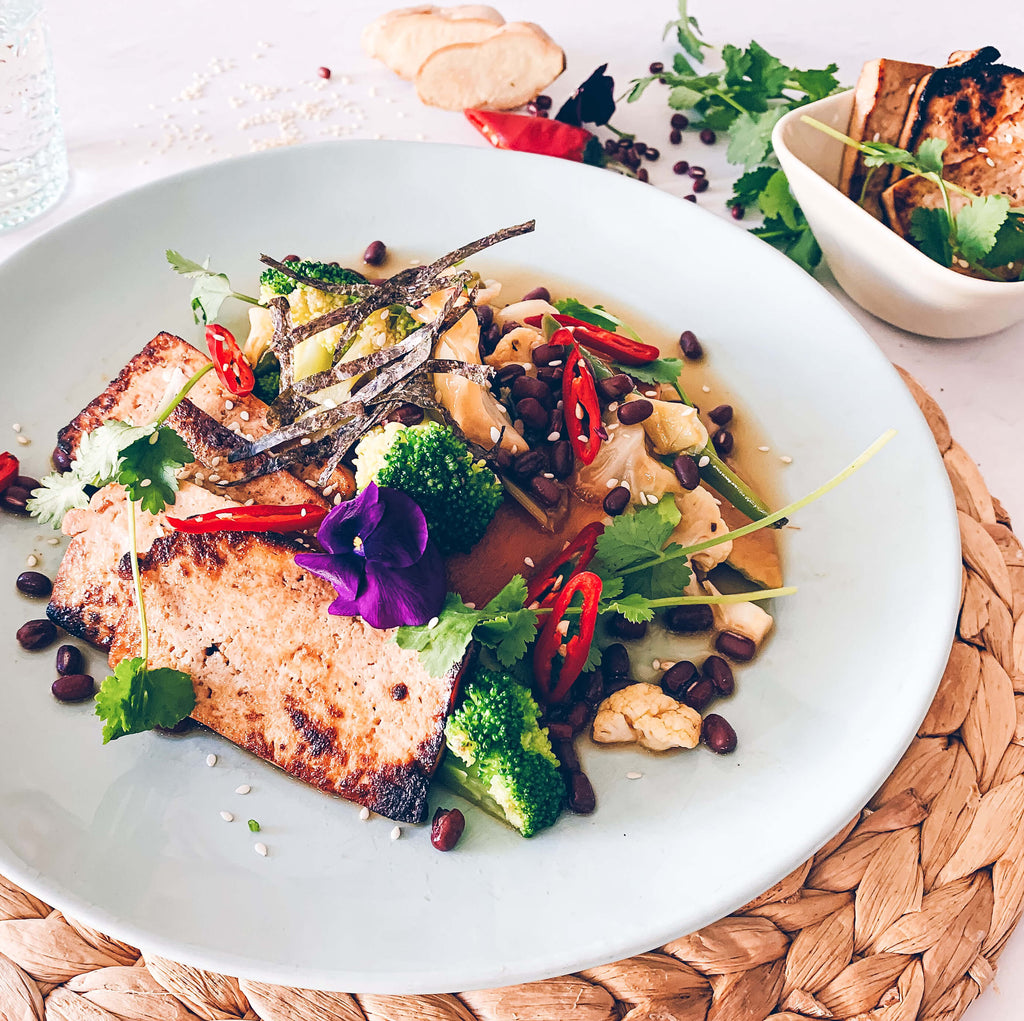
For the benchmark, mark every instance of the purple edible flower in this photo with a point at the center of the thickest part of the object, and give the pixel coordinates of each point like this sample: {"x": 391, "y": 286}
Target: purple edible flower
{"x": 380, "y": 560}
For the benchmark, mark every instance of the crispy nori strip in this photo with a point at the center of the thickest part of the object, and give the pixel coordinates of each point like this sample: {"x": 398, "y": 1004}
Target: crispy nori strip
{"x": 481, "y": 374}
{"x": 363, "y": 290}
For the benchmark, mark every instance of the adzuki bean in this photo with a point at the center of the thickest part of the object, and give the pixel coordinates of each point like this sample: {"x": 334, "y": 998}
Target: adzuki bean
{"x": 699, "y": 694}
{"x": 686, "y": 471}
{"x": 562, "y": 462}
{"x": 375, "y": 254}
{"x": 565, "y": 752}
{"x": 700, "y": 184}
{"x": 681, "y": 167}
{"x": 578, "y": 716}
{"x": 446, "y": 828}
{"x": 615, "y": 662}
{"x": 717, "y": 733}
{"x": 735, "y": 646}
{"x": 675, "y": 136}
{"x": 32, "y": 583}
{"x": 546, "y": 491}
{"x": 614, "y": 387}
{"x": 406, "y": 414}
{"x": 622, "y": 628}
{"x": 69, "y": 660}
{"x": 529, "y": 386}
{"x": 532, "y": 412}
{"x": 537, "y": 294}
{"x": 678, "y": 677}
{"x": 690, "y": 345}
{"x": 680, "y": 121}
{"x": 60, "y": 459}
{"x": 507, "y": 373}
{"x": 722, "y": 415}
{"x": 724, "y": 442}
{"x": 73, "y": 688}
{"x": 633, "y": 412}
{"x": 689, "y": 619}
{"x": 544, "y": 354}
{"x": 528, "y": 463}
{"x": 15, "y": 499}
{"x": 616, "y": 501}
{"x": 720, "y": 674}
{"x": 582, "y": 800}
{"x": 36, "y": 634}
{"x": 560, "y": 731}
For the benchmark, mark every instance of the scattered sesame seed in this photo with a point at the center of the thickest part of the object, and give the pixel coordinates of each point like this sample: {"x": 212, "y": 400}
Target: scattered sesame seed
{"x": 704, "y": 461}
{"x": 653, "y": 498}
{"x": 23, "y": 440}
{"x": 471, "y": 606}
{"x": 227, "y": 817}
{"x": 244, "y": 416}
{"x": 243, "y": 789}
{"x": 554, "y": 437}
{"x": 562, "y": 627}
{"x": 396, "y": 832}
{"x": 655, "y": 664}
{"x": 612, "y": 483}
{"x": 433, "y": 622}
{"x": 53, "y": 542}
{"x": 643, "y": 499}
{"x": 983, "y": 150}
{"x": 991, "y": 162}
{"x": 706, "y": 388}
{"x": 548, "y": 475}
{"x": 529, "y": 562}
{"x": 305, "y": 441}
{"x": 495, "y": 434}
{"x": 260, "y": 849}
{"x": 786, "y": 459}
{"x": 634, "y": 776}
{"x": 211, "y": 759}
{"x": 364, "y": 813}
{"x": 31, "y": 560}
{"x": 625, "y": 484}
{"x": 556, "y": 363}
{"x": 764, "y": 450}
{"x": 149, "y": 482}
{"x": 614, "y": 406}
{"x": 229, "y": 405}
{"x": 580, "y": 411}
{"x": 16, "y": 427}
{"x": 581, "y": 438}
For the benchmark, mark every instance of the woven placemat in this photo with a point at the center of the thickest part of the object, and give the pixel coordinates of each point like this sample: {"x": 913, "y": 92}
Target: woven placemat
{"x": 902, "y": 915}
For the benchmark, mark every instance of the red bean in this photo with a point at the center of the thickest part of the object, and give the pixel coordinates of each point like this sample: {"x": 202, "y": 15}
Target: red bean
{"x": 643, "y": 176}
{"x": 543, "y": 102}
{"x": 735, "y": 646}
{"x": 707, "y": 136}
{"x": 593, "y": 690}
{"x": 622, "y": 628}
{"x": 507, "y": 373}
{"x": 15, "y": 499}
{"x": 616, "y": 501}
{"x": 291, "y": 258}
{"x": 537, "y": 294}
{"x": 581, "y": 800}
{"x": 680, "y": 121}
{"x": 614, "y": 387}
{"x": 529, "y": 386}
{"x": 737, "y": 212}
{"x": 687, "y": 471}
{"x": 640, "y": 148}
{"x": 700, "y": 184}
{"x": 722, "y": 415}
{"x": 73, "y": 688}
{"x": 36, "y": 634}
{"x": 407, "y": 414}
{"x": 634, "y": 412}
{"x": 375, "y": 254}
{"x": 565, "y": 752}
{"x": 720, "y": 673}
{"x": 656, "y": 67}
{"x": 446, "y": 828}
{"x": 652, "y": 154}
{"x": 545, "y": 354}
{"x": 678, "y": 677}
{"x": 724, "y": 442}
{"x": 532, "y": 412}
{"x": 689, "y": 618}
{"x": 690, "y": 345}
{"x": 690, "y": 198}
{"x": 579, "y": 715}
{"x": 695, "y": 172}
{"x": 699, "y": 695}
{"x": 69, "y": 660}
{"x": 562, "y": 460}
{"x": 548, "y": 493}
{"x": 551, "y": 374}
{"x": 560, "y": 731}
{"x": 324, "y": 72}
{"x": 717, "y": 733}
{"x": 32, "y": 583}
{"x": 528, "y": 463}
{"x": 615, "y": 661}
{"x": 60, "y": 459}
{"x": 675, "y": 136}
{"x": 681, "y": 167}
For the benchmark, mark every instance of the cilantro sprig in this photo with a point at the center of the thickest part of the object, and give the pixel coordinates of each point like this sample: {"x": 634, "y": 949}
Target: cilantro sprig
{"x": 746, "y": 98}
{"x": 983, "y": 235}
{"x": 209, "y": 291}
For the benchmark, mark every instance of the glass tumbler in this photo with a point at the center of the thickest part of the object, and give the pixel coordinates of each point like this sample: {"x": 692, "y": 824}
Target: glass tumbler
{"x": 33, "y": 159}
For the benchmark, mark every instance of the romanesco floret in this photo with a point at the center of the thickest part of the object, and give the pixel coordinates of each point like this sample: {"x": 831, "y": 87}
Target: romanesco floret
{"x": 498, "y": 758}
{"x": 459, "y": 495}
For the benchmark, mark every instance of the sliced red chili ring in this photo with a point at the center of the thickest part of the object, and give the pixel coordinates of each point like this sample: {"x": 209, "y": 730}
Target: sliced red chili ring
{"x": 580, "y": 405}
{"x": 595, "y": 338}
{"x": 263, "y": 517}
{"x": 577, "y": 648}
{"x": 549, "y": 580}
{"x": 233, "y": 368}
{"x": 9, "y": 469}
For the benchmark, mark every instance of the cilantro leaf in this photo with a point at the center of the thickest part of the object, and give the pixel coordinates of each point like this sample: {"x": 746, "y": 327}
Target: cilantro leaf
{"x": 56, "y": 495}
{"x": 634, "y": 607}
{"x": 766, "y": 73}
{"x": 747, "y": 190}
{"x": 929, "y": 154}
{"x": 186, "y": 267}
{"x": 977, "y": 225}
{"x": 817, "y": 84}
{"x": 682, "y": 97}
{"x": 505, "y": 625}
{"x": 209, "y": 290}
{"x": 687, "y": 33}
{"x": 1009, "y": 246}
{"x": 797, "y": 243}
{"x": 639, "y": 87}
{"x": 776, "y": 200}
{"x": 135, "y": 699}
{"x": 661, "y": 370}
{"x": 930, "y": 229}
{"x": 670, "y": 578}
{"x": 634, "y": 538}
{"x": 597, "y": 315}
{"x": 444, "y": 644}
{"x": 750, "y": 137}
{"x": 148, "y": 468}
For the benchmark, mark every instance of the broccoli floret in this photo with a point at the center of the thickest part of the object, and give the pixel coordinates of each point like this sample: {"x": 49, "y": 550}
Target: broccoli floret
{"x": 268, "y": 378}
{"x": 459, "y": 495}
{"x": 276, "y": 281}
{"x": 498, "y": 758}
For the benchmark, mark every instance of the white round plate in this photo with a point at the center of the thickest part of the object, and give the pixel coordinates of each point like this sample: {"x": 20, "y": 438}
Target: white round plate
{"x": 129, "y": 838}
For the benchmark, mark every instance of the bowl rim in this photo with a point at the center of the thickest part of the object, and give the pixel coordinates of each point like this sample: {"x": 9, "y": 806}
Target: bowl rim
{"x": 943, "y": 274}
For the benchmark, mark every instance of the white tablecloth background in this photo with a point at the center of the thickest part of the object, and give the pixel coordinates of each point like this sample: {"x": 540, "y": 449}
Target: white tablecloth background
{"x": 148, "y": 88}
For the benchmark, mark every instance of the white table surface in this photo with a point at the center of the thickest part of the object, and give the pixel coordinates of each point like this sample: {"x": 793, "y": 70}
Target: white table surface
{"x": 149, "y": 88}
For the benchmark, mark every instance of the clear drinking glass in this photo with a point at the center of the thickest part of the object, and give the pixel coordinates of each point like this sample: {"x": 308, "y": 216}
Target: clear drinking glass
{"x": 33, "y": 159}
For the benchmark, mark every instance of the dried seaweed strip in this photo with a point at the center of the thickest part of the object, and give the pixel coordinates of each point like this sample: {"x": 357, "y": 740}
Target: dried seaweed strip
{"x": 303, "y": 428}
{"x": 343, "y": 442}
{"x": 481, "y": 374}
{"x": 363, "y": 290}
{"x": 475, "y": 247}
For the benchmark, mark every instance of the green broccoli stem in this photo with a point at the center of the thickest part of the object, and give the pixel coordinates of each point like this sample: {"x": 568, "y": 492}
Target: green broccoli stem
{"x": 455, "y": 776}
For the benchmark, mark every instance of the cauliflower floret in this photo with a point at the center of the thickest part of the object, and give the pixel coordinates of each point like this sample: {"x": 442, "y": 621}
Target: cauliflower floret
{"x": 316, "y": 353}
{"x": 747, "y": 619}
{"x": 645, "y": 714}
{"x": 261, "y": 330}
{"x": 519, "y": 310}
{"x": 370, "y": 452}
{"x": 673, "y": 427}
{"x": 515, "y": 346}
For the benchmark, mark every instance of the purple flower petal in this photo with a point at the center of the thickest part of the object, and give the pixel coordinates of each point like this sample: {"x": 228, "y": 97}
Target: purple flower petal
{"x": 357, "y": 516}
{"x": 399, "y": 537}
{"x": 346, "y": 574}
{"x": 409, "y": 595}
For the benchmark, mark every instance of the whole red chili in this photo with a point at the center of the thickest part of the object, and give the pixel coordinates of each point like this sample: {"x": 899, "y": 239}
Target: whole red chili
{"x": 233, "y": 368}
{"x": 262, "y": 517}
{"x": 549, "y": 579}
{"x": 580, "y": 404}
{"x": 8, "y": 470}
{"x": 524, "y": 133}
{"x": 622, "y": 349}
{"x": 577, "y": 648}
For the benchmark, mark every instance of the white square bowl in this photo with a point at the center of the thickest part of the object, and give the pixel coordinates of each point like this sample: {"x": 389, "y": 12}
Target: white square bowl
{"x": 884, "y": 274}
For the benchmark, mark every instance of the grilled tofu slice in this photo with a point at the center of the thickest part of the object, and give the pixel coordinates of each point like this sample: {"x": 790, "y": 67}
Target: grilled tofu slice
{"x": 880, "y": 104}
{"x": 329, "y": 699}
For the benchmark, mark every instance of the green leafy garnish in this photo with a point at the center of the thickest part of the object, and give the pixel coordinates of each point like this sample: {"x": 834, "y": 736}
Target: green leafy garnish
{"x": 634, "y": 538}
{"x": 135, "y": 699}
{"x": 209, "y": 289}
{"x": 661, "y": 370}
{"x": 148, "y": 466}
{"x": 596, "y": 315}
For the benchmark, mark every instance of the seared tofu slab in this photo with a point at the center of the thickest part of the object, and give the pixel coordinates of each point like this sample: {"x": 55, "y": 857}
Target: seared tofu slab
{"x": 329, "y": 699}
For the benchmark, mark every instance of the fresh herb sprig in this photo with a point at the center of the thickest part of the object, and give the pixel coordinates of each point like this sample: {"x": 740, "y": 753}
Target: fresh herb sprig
{"x": 983, "y": 235}
{"x": 746, "y": 98}
{"x": 144, "y": 460}
{"x": 210, "y": 289}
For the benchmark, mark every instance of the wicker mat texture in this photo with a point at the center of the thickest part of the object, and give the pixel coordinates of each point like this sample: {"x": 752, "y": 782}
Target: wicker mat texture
{"x": 902, "y": 915}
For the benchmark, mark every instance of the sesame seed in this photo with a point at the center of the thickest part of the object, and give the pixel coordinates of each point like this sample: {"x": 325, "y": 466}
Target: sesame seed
{"x": 614, "y": 406}
{"x": 149, "y": 482}
{"x": 470, "y": 606}
{"x": 305, "y": 441}
{"x": 582, "y": 438}
{"x": 706, "y": 388}
{"x": 529, "y": 562}
{"x": 31, "y": 560}
{"x": 227, "y": 817}
{"x": 634, "y": 776}
{"x": 495, "y": 434}
{"x": 515, "y": 448}
{"x": 655, "y": 664}
{"x": 211, "y": 759}
{"x": 653, "y": 498}
{"x": 260, "y": 849}
{"x": 53, "y": 542}
{"x": 983, "y": 150}
{"x": 16, "y": 427}
{"x": 786, "y": 459}
{"x": 612, "y": 484}
{"x": 396, "y": 832}
{"x": 364, "y": 813}
{"x": 243, "y": 789}
{"x": 625, "y": 484}
{"x": 562, "y": 627}
{"x": 23, "y": 440}
{"x": 643, "y": 499}
{"x": 764, "y": 450}
{"x": 213, "y": 461}
{"x": 704, "y": 461}
{"x": 433, "y": 622}
{"x": 555, "y": 363}
{"x": 229, "y": 405}
{"x": 991, "y": 162}
{"x": 244, "y": 416}
{"x": 580, "y": 411}
{"x": 554, "y": 437}
{"x": 548, "y": 475}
